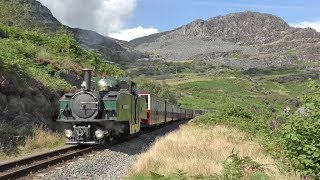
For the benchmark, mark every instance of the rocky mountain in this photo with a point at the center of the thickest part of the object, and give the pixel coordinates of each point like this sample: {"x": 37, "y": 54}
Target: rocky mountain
{"x": 110, "y": 48}
{"x": 243, "y": 40}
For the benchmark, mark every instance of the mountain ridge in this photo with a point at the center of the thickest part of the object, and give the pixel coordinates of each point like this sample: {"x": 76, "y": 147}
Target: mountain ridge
{"x": 259, "y": 39}
{"x": 241, "y": 40}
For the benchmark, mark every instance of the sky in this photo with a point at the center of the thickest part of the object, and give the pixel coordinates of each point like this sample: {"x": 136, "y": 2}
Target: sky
{"x": 129, "y": 19}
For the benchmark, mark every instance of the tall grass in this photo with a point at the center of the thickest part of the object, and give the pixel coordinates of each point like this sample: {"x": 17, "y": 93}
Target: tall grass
{"x": 42, "y": 138}
{"x": 207, "y": 151}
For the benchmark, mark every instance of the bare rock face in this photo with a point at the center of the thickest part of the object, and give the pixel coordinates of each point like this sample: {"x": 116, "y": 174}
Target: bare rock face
{"x": 248, "y": 28}
{"x": 40, "y": 13}
{"x": 242, "y": 28}
{"x": 20, "y": 106}
{"x": 3, "y": 102}
{"x": 8, "y": 85}
{"x": 241, "y": 40}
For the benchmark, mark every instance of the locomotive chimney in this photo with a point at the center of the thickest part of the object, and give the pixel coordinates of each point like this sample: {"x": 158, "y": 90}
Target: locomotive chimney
{"x": 86, "y": 79}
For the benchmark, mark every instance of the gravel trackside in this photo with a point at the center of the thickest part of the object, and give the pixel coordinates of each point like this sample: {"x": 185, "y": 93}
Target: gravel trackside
{"x": 111, "y": 163}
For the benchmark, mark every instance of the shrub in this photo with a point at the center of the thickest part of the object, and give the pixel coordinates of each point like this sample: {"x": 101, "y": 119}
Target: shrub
{"x": 235, "y": 167}
{"x": 8, "y": 142}
{"x": 301, "y": 136}
{"x": 238, "y": 112}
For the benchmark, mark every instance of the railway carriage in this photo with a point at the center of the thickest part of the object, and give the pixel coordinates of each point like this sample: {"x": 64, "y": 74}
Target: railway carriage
{"x": 175, "y": 112}
{"x": 169, "y": 112}
{"x": 189, "y": 113}
{"x": 160, "y": 111}
{"x": 156, "y": 110}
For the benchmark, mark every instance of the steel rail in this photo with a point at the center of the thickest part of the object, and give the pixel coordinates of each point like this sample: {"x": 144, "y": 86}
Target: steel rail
{"x": 25, "y": 161}
{"x": 33, "y": 164}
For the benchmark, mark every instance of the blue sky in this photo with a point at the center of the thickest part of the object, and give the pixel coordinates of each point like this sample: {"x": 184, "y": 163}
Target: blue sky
{"x": 169, "y": 14}
{"x": 128, "y": 19}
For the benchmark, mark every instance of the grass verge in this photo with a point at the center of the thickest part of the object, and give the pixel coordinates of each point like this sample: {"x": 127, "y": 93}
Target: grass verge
{"x": 215, "y": 152}
{"x": 40, "y": 140}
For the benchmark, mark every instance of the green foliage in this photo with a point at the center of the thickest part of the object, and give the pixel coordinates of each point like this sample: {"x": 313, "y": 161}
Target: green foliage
{"x": 43, "y": 57}
{"x": 301, "y": 136}
{"x": 238, "y": 112}
{"x": 256, "y": 107}
{"x": 176, "y": 175}
{"x": 13, "y": 12}
{"x": 259, "y": 176}
{"x": 162, "y": 90}
{"x": 235, "y": 167}
{"x": 219, "y": 92}
{"x": 232, "y": 102}
{"x": 63, "y": 43}
{"x": 155, "y": 68}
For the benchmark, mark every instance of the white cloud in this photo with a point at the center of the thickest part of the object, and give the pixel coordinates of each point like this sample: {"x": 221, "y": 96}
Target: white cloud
{"x": 102, "y": 16}
{"x": 312, "y": 24}
{"x": 129, "y": 34}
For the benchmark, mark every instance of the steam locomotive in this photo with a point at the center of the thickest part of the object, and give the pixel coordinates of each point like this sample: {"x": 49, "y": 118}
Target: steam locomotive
{"x": 107, "y": 108}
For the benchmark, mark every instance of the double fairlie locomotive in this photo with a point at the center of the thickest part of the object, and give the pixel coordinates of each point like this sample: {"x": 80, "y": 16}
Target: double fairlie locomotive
{"x": 107, "y": 107}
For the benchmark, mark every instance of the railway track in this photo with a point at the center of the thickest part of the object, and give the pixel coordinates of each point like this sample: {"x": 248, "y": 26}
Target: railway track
{"x": 24, "y": 167}
{"x": 30, "y": 165}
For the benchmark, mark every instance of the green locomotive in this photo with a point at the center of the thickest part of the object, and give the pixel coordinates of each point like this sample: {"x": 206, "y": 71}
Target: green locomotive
{"x": 104, "y": 108}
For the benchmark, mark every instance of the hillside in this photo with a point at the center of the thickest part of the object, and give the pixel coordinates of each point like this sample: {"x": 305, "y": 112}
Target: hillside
{"x": 244, "y": 40}
{"x": 282, "y": 116}
{"x": 32, "y": 14}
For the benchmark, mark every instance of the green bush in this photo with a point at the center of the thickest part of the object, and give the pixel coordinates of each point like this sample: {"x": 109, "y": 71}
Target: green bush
{"x": 238, "y": 112}
{"x": 8, "y": 141}
{"x": 235, "y": 167}
{"x": 301, "y": 136}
